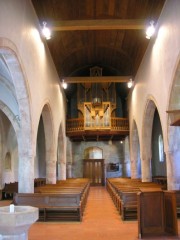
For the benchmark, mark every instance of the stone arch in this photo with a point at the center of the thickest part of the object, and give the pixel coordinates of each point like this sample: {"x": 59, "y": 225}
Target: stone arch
{"x": 40, "y": 159}
{"x": 158, "y": 160}
{"x": 135, "y": 152}
{"x": 173, "y": 150}
{"x": 15, "y": 125}
{"x": 146, "y": 151}
{"x": 61, "y": 156}
{"x": 50, "y": 151}
{"x": 93, "y": 153}
{"x": 25, "y": 136}
{"x": 12, "y": 118}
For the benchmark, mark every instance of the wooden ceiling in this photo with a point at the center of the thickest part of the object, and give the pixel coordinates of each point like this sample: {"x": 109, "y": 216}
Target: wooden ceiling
{"x": 105, "y": 33}
{"x": 109, "y": 34}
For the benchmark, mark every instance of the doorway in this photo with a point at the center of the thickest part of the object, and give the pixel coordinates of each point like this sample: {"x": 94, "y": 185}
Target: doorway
{"x": 94, "y": 170}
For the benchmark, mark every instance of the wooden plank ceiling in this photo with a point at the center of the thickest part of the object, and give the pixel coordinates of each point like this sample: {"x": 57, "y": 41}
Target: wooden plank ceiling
{"x": 105, "y": 33}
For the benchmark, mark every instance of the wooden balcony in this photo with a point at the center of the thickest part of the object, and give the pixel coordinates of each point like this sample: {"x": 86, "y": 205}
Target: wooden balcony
{"x": 78, "y": 130}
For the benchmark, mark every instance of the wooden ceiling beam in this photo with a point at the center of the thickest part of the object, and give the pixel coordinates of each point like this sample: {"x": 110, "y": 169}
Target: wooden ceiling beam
{"x": 102, "y": 79}
{"x": 99, "y": 24}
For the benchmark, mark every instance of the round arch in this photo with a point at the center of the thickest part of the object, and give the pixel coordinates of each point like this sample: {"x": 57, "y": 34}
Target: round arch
{"x": 25, "y": 136}
{"x": 50, "y": 146}
{"x": 146, "y": 151}
{"x": 135, "y": 152}
{"x": 173, "y": 133}
{"x": 93, "y": 153}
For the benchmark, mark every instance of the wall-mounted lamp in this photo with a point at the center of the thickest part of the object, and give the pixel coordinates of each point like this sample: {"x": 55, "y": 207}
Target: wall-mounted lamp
{"x": 64, "y": 84}
{"x": 130, "y": 83}
{"x": 150, "y": 30}
{"x": 46, "y": 31}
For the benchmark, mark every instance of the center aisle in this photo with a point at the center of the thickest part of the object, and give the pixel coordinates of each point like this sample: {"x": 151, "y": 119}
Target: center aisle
{"x": 101, "y": 221}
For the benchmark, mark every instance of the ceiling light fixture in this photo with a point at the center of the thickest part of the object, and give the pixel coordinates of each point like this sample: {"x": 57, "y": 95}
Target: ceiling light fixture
{"x": 46, "y": 31}
{"x": 64, "y": 84}
{"x": 150, "y": 30}
{"x": 130, "y": 83}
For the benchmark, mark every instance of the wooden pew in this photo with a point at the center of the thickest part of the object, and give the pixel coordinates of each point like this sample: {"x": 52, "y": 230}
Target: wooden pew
{"x": 52, "y": 206}
{"x": 65, "y": 200}
{"x": 12, "y": 187}
{"x": 65, "y": 189}
{"x": 129, "y": 205}
{"x": 9, "y": 189}
{"x": 39, "y": 182}
{"x": 123, "y": 192}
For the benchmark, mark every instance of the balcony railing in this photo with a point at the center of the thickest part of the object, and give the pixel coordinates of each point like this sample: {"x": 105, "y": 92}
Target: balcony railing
{"x": 77, "y": 124}
{"x": 119, "y": 124}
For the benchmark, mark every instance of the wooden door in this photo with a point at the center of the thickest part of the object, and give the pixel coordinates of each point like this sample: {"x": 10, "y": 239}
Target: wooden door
{"x": 94, "y": 170}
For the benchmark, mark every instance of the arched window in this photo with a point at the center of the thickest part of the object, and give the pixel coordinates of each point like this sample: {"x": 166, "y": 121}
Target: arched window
{"x": 8, "y": 161}
{"x": 93, "y": 153}
{"x": 161, "y": 148}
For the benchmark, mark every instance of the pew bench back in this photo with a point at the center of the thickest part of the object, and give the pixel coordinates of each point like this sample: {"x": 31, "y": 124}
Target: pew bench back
{"x": 52, "y": 206}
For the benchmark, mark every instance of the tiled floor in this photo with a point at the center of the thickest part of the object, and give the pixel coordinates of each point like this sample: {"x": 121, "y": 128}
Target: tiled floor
{"x": 101, "y": 221}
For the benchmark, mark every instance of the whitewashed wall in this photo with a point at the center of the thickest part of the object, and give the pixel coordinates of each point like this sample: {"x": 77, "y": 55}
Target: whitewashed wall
{"x": 156, "y": 72}
{"x": 20, "y": 36}
{"x": 154, "y": 82}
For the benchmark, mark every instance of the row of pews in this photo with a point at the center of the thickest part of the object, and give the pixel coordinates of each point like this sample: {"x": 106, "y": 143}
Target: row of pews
{"x": 155, "y": 208}
{"x": 12, "y": 187}
{"x": 63, "y": 201}
{"x": 123, "y": 192}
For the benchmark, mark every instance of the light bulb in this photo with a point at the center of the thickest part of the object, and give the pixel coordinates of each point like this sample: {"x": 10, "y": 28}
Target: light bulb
{"x": 150, "y": 30}
{"x": 64, "y": 84}
{"x": 46, "y": 31}
{"x": 130, "y": 83}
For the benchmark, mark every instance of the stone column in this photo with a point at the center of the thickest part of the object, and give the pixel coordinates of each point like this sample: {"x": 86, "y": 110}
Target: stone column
{"x": 146, "y": 169}
{"x": 134, "y": 172}
{"x": 69, "y": 170}
{"x": 26, "y": 173}
{"x": 62, "y": 171}
{"x": 50, "y": 168}
{"x": 173, "y": 170}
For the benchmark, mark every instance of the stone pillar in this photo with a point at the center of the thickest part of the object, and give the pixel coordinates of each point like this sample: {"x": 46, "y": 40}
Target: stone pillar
{"x": 69, "y": 170}
{"x": 173, "y": 170}
{"x": 146, "y": 169}
{"x": 50, "y": 168}
{"x": 62, "y": 171}
{"x": 134, "y": 172}
{"x": 26, "y": 173}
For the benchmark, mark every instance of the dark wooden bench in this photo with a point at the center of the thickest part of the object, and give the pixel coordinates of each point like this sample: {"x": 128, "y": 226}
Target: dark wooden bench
{"x": 52, "y": 207}
{"x": 128, "y": 205}
{"x": 39, "y": 182}
{"x": 123, "y": 192}
{"x": 12, "y": 187}
{"x": 9, "y": 189}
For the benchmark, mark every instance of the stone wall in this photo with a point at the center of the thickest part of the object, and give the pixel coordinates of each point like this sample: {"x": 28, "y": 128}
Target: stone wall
{"x": 113, "y": 152}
